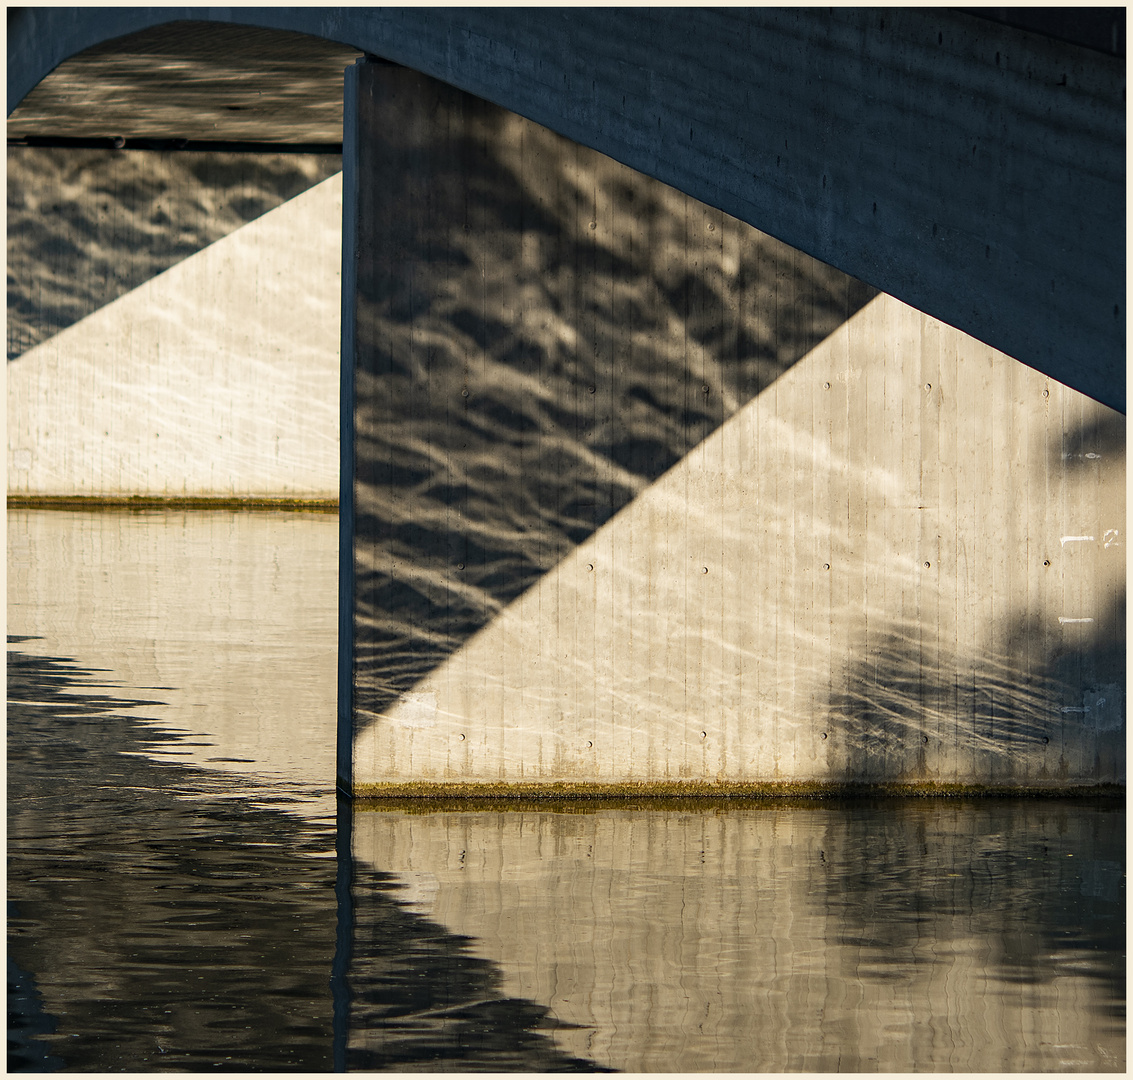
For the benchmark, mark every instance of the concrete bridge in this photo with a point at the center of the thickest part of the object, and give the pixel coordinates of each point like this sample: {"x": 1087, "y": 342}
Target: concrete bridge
{"x": 636, "y": 495}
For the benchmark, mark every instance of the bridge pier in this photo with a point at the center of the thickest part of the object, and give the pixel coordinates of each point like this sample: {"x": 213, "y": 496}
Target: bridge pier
{"x": 638, "y": 499}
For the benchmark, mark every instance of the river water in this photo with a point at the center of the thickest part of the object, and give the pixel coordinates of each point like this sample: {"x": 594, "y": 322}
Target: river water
{"x": 185, "y": 893}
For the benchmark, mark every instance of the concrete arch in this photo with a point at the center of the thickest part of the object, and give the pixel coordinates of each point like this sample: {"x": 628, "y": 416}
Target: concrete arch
{"x": 972, "y": 169}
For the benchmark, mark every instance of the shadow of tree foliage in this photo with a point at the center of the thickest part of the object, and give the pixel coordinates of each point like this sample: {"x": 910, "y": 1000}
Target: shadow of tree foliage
{"x": 1100, "y": 439}
{"x": 1039, "y": 884}
{"x": 1015, "y": 712}
{"x": 1040, "y": 701}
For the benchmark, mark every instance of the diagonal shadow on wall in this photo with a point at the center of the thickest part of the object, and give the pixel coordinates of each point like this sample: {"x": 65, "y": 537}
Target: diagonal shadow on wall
{"x": 542, "y": 333}
{"x": 87, "y": 226}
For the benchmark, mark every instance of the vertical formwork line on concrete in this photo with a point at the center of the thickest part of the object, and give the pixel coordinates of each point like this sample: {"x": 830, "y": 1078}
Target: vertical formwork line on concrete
{"x": 350, "y": 135}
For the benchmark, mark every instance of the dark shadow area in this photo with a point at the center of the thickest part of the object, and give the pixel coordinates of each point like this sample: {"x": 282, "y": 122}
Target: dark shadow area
{"x": 1045, "y": 699}
{"x": 161, "y": 920}
{"x": 169, "y": 925}
{"x": 1096, "y": 443}
{"x": 541, "y": 334}
{"x": 1026, "y": 712}
{"x": 27, "y": 1021}
{"x": 87, "y": 226}
{"x": 1100, "y": 28}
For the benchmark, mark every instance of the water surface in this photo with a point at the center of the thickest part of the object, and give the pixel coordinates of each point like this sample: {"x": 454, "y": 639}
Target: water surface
{"x": 818, "y": 936}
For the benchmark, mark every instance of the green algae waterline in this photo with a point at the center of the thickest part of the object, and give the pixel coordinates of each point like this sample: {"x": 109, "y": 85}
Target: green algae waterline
{"x": 169, "y": 502}
{"x": 646, "y": 792}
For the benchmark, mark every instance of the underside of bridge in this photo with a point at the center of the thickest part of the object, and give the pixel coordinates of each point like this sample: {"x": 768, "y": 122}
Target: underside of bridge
{"x": 971, "y": 166}
{"x": 686, "y": 444}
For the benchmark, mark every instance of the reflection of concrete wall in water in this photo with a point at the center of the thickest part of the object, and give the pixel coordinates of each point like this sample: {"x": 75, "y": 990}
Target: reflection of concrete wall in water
{"x": 806, "y": 939}
{"x": 198, "y": 614}
{"x": 750, "y": 555}
{"x": 218, "y": 376}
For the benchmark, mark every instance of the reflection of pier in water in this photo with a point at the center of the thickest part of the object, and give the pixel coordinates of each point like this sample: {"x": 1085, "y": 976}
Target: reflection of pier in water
{"x": 817, "y": 938}
{"x": 227, "y": 619}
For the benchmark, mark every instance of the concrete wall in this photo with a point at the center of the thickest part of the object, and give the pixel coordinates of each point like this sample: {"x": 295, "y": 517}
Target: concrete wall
{"x": 974, "y": 170}
{"x": 643, "y": 497}
{"x": 216, "y": 377}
